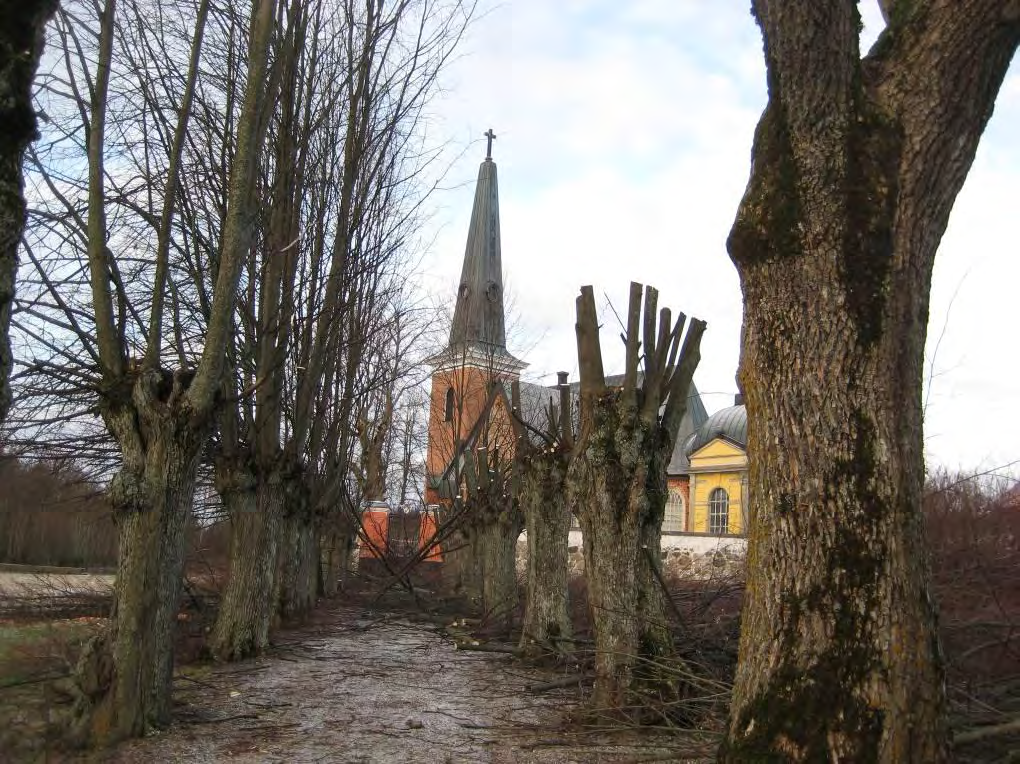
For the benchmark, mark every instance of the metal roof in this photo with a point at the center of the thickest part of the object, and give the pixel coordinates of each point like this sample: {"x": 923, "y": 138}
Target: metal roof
{"x": 478, "y": 316}
{"x": 729, "y": 423}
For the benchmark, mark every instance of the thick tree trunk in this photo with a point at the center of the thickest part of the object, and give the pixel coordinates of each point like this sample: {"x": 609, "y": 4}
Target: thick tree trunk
{"x": 125, "y": 676}
{"x": 547, "y": 519}
{"x": 245, "y": 615}
{"x": 853, "y": 179}
{"x": 839, "y": 654}
{"x": 460, "y": 568}
{"x": 22, "y": 36}
{"x": 495, "y": 549}
{"x": 616, "y": 484}
{"x": 298, "y": 557}
{"x": 606, "y": 491}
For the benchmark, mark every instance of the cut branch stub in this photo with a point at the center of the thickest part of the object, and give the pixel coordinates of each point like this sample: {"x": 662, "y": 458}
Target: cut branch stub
{"x": 668, "y": 365}
{"x": 633, "y": 344}
{"x": 589, "y": 350}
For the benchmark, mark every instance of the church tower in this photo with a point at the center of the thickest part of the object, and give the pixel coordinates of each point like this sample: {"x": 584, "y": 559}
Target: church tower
{"x": 476, "y": 356}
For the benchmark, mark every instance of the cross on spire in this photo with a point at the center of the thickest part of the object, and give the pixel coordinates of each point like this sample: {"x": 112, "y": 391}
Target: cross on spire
{"x": 488, "y": 148}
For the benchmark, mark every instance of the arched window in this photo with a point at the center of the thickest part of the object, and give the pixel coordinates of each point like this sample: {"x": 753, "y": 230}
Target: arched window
{"x": 448, "y": 411}
{"x": 673, "y": 522}
{"x": 718, "y": 511}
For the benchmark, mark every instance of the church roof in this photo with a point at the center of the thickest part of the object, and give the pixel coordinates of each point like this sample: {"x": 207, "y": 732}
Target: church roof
{"x": 729, "y": 423}
{"x": 478, "y": 316}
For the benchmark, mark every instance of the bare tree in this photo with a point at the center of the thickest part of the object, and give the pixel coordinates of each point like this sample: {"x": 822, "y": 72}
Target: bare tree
{"x": 22, "y": 38}
{"x": 856, "y": 164}
{"x": 251, "y": 469}
{"x": 394, "y": 55}
{"x": 616, "y": 482}
{"x": 117, "y": 226}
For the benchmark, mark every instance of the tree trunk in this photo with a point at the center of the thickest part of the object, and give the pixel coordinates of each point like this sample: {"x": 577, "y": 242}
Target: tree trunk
{"x": 839, "y": 655}
{"x": 298, "y": 557}
{"x": 616, "y": 483}
{"x": 655, "y": 637}
{"x": 245, "y": 615}
{"x": 495, "y": 549}
{"x": 125, "y": 676}
{"x": 460, "y": 569}
{"x": 333, "y": 562}
{"x": 617, "y": 487}
{"x": 853, "y": 179}
{"x": 22, "y": 37}
{"x": 543, "y": 500}
{"x": 605, "y": 484}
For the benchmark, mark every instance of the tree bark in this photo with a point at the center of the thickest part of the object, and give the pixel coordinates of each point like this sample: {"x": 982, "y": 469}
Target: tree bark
{"x": 543, "y": 500}
{"x": 616, "y": 484}
{"x": 22, "y": 38}
{"x": 297, "y": 557}
{"x": 606, "y": 484}
{"x": 655, "y": 636}
{"x": 337, "y": 549}
{"x": 460, "y": 570}
{"x": 245, "y": 615}
{"x": 853, "y": 178}
{"x": 495, "y": 549}
{"x": 125, "y": 675}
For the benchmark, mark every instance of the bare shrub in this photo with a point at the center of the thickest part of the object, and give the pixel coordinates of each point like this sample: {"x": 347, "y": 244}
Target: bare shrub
{"x": 973, "y": 528}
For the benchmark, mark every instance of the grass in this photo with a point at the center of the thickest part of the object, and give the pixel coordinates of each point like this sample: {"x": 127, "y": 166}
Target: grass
{"x": 36, "y": 658}
{"x": 29, "y": 650}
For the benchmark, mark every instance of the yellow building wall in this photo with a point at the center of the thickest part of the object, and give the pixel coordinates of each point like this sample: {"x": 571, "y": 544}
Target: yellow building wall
{"x": 719, "y": 464}
{"x": 719, "y": 454}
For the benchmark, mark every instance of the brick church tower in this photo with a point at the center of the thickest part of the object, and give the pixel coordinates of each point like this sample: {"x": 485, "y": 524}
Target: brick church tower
{"x": 476, "y": 356}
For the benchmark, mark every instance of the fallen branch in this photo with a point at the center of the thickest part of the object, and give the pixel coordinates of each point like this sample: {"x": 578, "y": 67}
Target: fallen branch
{"x": 983, "y": 733}
{"x": 488, "y": 647}
{"x": 219, "y": 719}
{"x": 566, "y": 681}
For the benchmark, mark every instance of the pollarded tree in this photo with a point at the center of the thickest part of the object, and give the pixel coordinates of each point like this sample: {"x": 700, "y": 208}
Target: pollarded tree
{"x": 856, "y": 164}
{"x": 22, "y": 37}
{"x": 616, "y": 482}
{"x": 123, "y": 240}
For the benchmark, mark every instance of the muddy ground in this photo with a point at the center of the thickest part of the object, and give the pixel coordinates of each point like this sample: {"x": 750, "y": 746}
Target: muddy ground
{"x": 364, "y": 686}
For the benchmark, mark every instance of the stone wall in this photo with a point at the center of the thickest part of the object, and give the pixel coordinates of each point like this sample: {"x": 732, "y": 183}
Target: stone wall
{"x": 697, "y": 555}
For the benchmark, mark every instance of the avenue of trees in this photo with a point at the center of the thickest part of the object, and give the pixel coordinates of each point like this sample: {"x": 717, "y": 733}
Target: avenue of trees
{"x": 222, "y": 206}
{"x": 221, "y": 203}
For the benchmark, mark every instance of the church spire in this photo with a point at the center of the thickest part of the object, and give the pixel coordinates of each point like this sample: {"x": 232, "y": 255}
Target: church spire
{"x": 478, "y": 318}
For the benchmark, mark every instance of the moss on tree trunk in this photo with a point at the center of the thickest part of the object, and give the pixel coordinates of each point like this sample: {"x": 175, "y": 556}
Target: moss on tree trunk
{"x": 22, "y": 37}
{"x": 853, "y": 179}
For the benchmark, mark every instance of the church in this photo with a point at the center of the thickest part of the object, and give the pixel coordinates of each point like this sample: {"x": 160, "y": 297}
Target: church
{"x": 470, "y": 406}
{"x": 707, "y": 475}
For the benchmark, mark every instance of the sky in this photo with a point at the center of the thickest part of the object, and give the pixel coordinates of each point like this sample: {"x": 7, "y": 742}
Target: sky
{"x": 623, "y": 144}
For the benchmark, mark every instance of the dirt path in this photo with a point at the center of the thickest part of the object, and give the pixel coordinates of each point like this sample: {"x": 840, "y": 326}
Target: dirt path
{"x": 370, "y": 688}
